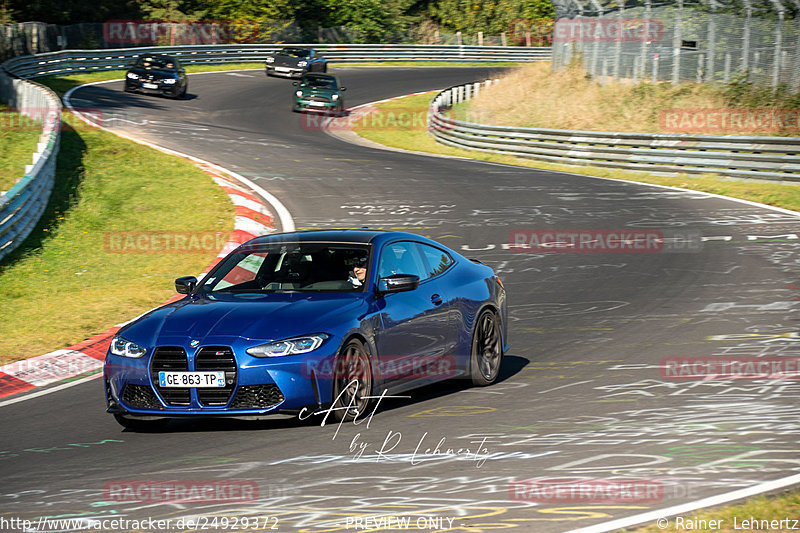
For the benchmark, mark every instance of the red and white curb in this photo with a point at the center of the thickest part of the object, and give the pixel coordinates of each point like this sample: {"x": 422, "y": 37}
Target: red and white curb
{"x": 252, "y": 218}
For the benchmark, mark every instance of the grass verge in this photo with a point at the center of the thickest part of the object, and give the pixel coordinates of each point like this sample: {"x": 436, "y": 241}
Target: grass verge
{"x": 400, "y": 123}
{"x": 86, "y": 267}
{"x": 775, "y": 507}
{"x": 18, "y": 138}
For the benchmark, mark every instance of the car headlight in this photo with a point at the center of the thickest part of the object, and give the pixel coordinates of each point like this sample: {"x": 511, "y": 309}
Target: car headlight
{"x": 293, "y": 346}
{"x": 169, "y": 81}
{"x": 270, "y": 60}
{"x": 335, "y": 97}
{"x": 126, "y": 348}
{"x": 302, "y": 63}
{"x": 132, "y": 76}
{"x": 299, "y": 94}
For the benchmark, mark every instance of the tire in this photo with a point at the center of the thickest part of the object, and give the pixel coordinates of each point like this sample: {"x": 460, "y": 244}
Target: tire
{"x": 137, "y": 424}
{"x": 487, "y": 349}
{"x": 325, "y": 68}
{"x": 352, "y": 364}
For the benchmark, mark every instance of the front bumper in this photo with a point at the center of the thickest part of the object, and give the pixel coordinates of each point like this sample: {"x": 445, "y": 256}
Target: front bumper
{"x": 302, "y": 104}
{"x": 152, "y": 88}
{"x": 258, "y": 386}
{"x": 286, "y": 72}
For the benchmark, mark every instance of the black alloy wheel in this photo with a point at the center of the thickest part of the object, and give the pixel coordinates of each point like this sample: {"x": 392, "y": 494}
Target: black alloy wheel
{"x": 487, "y": 349}
{"x": 352, "y": 382}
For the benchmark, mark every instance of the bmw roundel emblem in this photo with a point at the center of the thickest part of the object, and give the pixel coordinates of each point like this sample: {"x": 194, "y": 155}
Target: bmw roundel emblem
{"x": 194, "y": 344}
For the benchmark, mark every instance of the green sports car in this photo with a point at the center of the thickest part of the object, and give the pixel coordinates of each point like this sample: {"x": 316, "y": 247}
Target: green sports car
{"x": 318, "y": 92}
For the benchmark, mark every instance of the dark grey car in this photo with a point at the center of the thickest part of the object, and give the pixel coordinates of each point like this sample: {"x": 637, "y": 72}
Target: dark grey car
{"x": 294, "y": 62}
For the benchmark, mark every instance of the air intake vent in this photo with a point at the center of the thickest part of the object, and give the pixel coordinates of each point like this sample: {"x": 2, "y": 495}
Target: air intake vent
{"x": 216, "y": 358}
{"x": 257, "y": 397}
{"x": 140, "y": 396}
{"x": 170, "y": 358}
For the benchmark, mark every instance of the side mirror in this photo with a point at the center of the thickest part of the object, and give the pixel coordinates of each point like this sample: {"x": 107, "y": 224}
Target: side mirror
{"x": 295, "y": 83}
{"x": 186, "y": 284}
{"x": 342, "y": 89}
{"x": 398, "y": 283}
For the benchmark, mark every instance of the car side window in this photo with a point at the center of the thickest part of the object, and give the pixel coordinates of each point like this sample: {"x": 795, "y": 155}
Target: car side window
{"x": 437, "y": 261}
{"x": 401, "y": 258}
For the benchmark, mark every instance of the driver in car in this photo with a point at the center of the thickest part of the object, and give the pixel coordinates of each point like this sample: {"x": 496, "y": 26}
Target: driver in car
{"x": 359, "y": 272}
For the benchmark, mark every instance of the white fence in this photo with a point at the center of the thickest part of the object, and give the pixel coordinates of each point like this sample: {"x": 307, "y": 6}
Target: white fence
{"x": 22, "y": 206}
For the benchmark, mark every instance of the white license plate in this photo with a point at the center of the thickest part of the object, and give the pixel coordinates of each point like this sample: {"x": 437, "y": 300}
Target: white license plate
{"x": 320, "y": 104}
{"x": 191, "y": 379}
{"x": 150, "y": 86}
{"x": 282, "y": 69}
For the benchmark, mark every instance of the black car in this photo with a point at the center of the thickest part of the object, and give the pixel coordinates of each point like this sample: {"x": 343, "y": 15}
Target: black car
{"x": 157, "y": 74}
{"x": 294, "y": 62}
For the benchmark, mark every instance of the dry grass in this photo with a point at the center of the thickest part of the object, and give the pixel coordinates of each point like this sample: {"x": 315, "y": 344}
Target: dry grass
{"x": 534, "y": 96}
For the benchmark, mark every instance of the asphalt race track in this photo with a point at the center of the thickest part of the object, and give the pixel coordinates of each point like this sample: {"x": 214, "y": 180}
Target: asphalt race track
{"x": 584, "y": 390}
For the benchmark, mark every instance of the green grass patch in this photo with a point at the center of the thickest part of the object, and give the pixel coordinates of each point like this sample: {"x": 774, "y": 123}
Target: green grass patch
{"x": 18, "y": 138}
{"x": 777, "y": 507}
{"x": 409, "y": 109}
{"x": 72, "y": 278}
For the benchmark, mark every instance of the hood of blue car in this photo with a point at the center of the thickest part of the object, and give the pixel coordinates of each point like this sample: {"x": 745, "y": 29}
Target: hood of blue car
{"x": 264, "y": 317}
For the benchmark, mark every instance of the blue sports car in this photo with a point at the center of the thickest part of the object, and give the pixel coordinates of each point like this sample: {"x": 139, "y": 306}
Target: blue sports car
{"x": 309, "y": 322}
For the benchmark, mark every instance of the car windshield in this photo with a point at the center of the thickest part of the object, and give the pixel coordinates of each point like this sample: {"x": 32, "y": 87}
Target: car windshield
{"x": 157, "y": 62}
{"x": 291, "y": 267}
{"x": 295, "y": 52}
{"x": 318, "y": 83}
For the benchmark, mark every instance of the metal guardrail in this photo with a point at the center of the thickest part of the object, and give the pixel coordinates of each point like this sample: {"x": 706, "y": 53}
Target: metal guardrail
{"x": 762, "y": 157}
{"x": 22, "y": 206}
{"x": 73, "y": 61}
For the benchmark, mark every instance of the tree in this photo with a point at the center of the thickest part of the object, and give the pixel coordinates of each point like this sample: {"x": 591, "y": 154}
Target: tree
{"x": 492, "y": 17}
